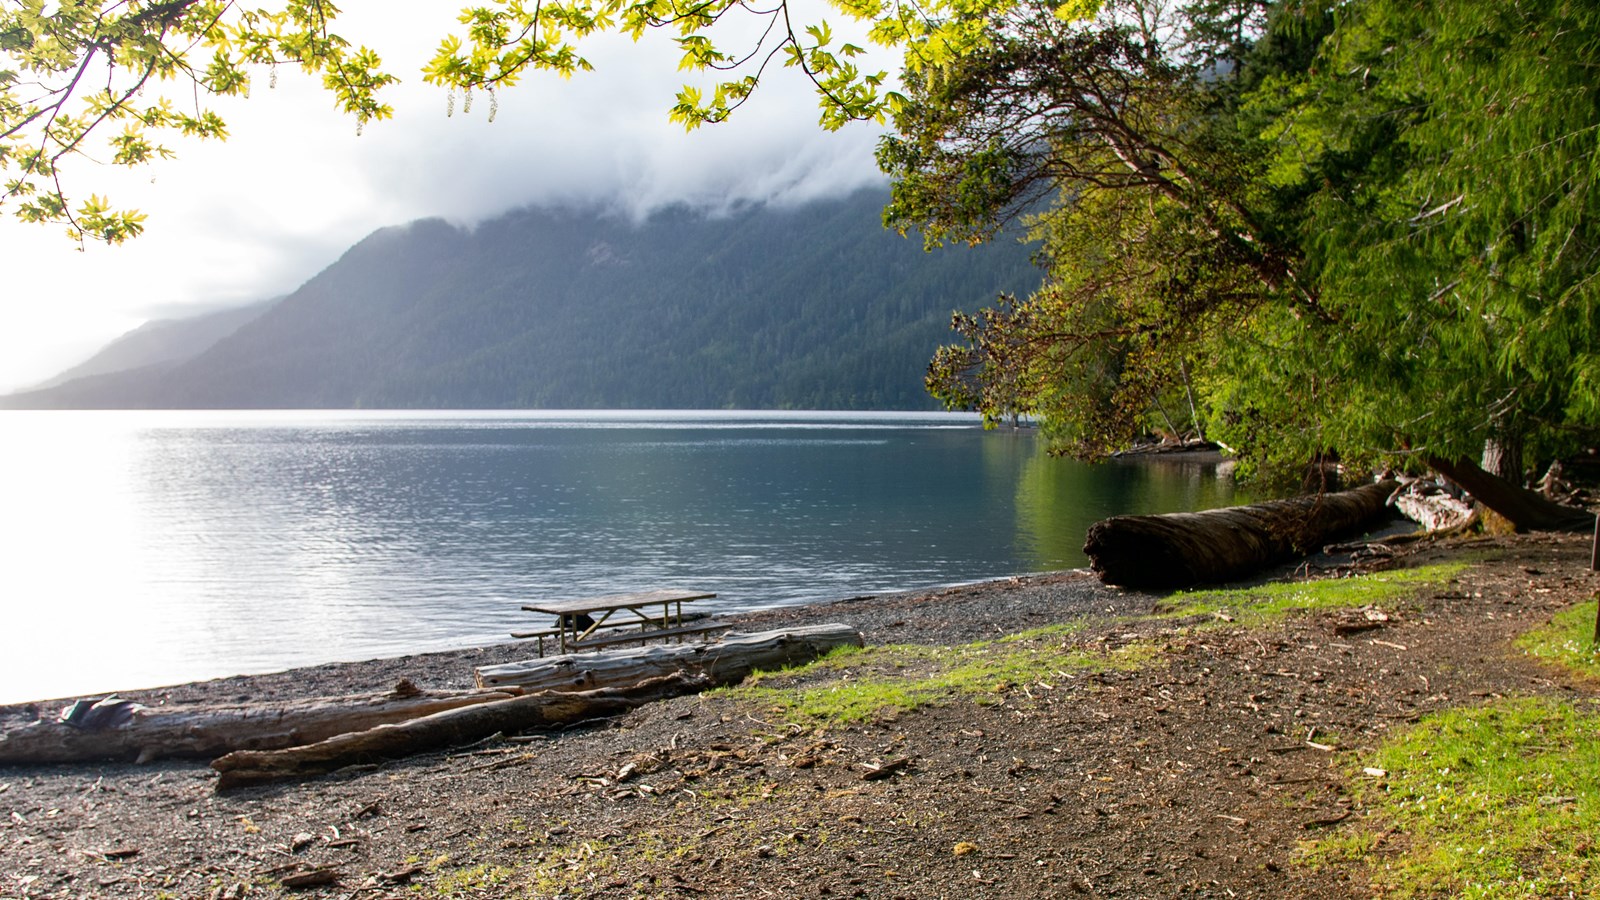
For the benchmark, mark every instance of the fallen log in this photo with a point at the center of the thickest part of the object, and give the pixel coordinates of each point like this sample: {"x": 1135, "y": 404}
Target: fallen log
{"x": 1181, "y": 549}
{"x": 727, "y": 661}
{"x": 442, "y": 730}
{"x": 567, "y": 693}
{"x": 146, "y": 733}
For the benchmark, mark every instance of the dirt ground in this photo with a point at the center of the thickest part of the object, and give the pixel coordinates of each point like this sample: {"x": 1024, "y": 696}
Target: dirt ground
{"x": 1194, "y": 776}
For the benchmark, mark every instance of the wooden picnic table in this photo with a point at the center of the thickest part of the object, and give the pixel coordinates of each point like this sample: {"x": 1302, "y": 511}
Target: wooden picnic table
{"x": 652, "y": 614}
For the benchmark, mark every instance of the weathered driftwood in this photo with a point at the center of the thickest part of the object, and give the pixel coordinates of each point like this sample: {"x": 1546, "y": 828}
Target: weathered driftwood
{"x": 567, "y": 693}
{"x": 1180, "y": 549}
{"x": 208, "y": 731}
{"x": 724, "y": 662}
{"x": 1432, "y": 508}
{"x": 442, "y": 730}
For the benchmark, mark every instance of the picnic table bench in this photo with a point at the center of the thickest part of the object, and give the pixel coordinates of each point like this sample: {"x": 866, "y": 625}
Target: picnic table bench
{"x": 586, "y": 624}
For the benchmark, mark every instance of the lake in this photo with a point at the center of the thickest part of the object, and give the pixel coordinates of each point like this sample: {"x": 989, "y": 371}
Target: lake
{"x": 147, "y": 548}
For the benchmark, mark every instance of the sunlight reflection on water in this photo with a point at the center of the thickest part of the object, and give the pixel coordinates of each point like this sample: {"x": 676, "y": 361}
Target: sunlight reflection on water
{"x": 142, "y": 548}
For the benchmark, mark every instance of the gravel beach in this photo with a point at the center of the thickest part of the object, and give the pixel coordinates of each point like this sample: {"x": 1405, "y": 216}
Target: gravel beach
{"x": 1198, "y": 772}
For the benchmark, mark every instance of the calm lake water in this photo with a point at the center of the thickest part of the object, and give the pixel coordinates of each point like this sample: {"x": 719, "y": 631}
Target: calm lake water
{"x": 145, "y": 548}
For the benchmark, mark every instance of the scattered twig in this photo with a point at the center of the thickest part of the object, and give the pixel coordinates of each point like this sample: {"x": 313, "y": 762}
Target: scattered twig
{"x": 504, "y": 763}
{"x": 875, "y": 771}
{"x": 1326, "y": 822}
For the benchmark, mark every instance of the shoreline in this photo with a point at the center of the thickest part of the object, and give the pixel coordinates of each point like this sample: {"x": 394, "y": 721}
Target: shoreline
{"x": 1208, "y": 750}
{"x": 938, "y": 614}
{"x": 895, "y": 617}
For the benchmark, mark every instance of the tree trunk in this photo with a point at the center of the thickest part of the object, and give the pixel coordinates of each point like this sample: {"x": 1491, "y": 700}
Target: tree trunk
{"x": 442, "y": 730}
{"x": 725, "y": 662}
{"x": 1181, "y": 549}
{"x": 206, "y": 731}
{"x": 1502, "y": 457}
{"x": 1526, "y": 510}
{"x": 1194, "y": 411}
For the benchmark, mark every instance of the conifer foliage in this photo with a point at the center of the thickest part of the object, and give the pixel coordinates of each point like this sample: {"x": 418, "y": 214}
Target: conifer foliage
{"x": 1369, "y": 228}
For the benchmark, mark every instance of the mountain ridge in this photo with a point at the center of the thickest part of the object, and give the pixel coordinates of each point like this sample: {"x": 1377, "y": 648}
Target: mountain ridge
{"x": 815, "y": 306}
{"x": 160, "y": 341}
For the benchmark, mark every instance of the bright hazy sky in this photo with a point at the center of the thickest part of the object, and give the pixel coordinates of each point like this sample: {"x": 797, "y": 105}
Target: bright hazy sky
{"x": 294, "y": 185}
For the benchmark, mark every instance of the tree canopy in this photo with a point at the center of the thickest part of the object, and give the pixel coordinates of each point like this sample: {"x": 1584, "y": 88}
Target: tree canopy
{"x": 1365, "y": 228}
{"x": 74, "y": 74}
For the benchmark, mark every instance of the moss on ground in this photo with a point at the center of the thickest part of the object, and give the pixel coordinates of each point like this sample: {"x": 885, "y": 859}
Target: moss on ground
{"x": 1259, "y": 605}
{"x": 881, "y": 682}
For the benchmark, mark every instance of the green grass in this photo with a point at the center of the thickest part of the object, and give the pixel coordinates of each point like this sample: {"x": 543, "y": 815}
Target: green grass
{"x": 1567, "y": 642}
{"x": 1269, "y": 602}
{"x": 1493, "y": 802}
{"x": 472, "y": 879}
{"x": 876, "y": 683}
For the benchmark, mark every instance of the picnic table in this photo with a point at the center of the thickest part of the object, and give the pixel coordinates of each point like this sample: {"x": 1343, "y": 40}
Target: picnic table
{"x": 642, "y": 616}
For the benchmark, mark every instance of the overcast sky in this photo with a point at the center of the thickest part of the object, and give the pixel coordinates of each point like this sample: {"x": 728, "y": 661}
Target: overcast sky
{"x": 294, "y": 185}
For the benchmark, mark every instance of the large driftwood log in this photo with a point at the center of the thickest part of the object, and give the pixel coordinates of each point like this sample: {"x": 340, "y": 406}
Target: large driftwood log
{"x": 567, "y": 693}
{"x": 452, "y": 728}
{"x": 147, "y": 733}
{"x": 724, "y": 662}
{"x": 1181, "y": 549}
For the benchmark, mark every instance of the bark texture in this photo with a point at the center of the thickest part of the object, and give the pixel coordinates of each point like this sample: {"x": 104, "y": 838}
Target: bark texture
{"x": 1526, "y": 510}
{"x": 570, "y": 689}
{"x": 1181, "y": 549}
{"x": 724, "y": 662}
{"x": 148, "y": 733}
{"x": 439, "y": 731}
{"x": 1433, "y": 509}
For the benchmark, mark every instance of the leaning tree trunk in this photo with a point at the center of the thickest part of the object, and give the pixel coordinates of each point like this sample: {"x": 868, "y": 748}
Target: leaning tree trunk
{"x": 1526, "y": 510}
{"x": 1181, "y": 549}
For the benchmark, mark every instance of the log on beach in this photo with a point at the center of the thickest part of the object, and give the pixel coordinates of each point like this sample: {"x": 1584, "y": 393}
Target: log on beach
{"x": 146, "y": 733}
{"x": 560, "y": 691}
{"x": 724, "y": 662}
{"x": 1181, "y": 549}
{"x": 443, "y": 730}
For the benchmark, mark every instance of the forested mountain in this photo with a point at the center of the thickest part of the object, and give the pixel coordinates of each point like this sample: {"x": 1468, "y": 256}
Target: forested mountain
{"x": 811, "y": 307}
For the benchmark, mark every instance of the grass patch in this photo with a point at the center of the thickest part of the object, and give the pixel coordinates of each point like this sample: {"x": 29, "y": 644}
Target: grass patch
{"x": 571, "y": 870}
{"x": 472, "y": 879}
{"x": 1270, "y": 602}
{"x": 1494, "y": 802}
{"x": 1567, "y": 642}
{"x": 867, "y": 684}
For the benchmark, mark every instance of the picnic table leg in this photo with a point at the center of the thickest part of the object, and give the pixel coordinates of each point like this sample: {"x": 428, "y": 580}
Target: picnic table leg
{"x": 594, "y": 624}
